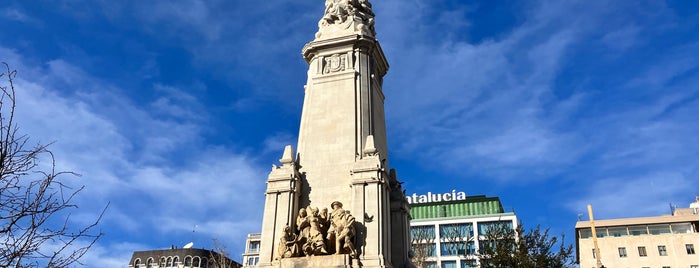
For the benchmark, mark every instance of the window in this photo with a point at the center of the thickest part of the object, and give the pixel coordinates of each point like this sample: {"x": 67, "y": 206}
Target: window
{"x": 427, "y": 250}
{"x": 484, "y": 227}
{"x": 681, "y": 228}
{"x": 690, "y": 249}
{"x": 694, "y": 266}
{"x": 169, "y": 262}
{"x": 196, "y": 262}
{"x": 456, "y": 230}
{"x": 162, "y": 262}
{"x": 252, "y": 261}
{"x": 468, "y": 264}
{"x": 618, "y": 231}
{"x": 457, "y": 248}
{"x": 594, "y": 254}
{"x": 422, "y": 232}
{"x": 601, "y": 232}
{"x": 638, "y": 230}
{"x": 662, "y": 250}
{"x": 448, "y": 264}
{"x": 666, "y": 266}
{"x": 188, "y": 261}
{"x": 622, "y": 252}
{"x": 659, "y": 229}
{"x": 137, "y": 263}
{"x": 175, "y": 261}
{"x": 254, "y": 246}
{"x": 149, "y": 263}
{"x": 642, "y": 252}
{"x": 585, "y": 233}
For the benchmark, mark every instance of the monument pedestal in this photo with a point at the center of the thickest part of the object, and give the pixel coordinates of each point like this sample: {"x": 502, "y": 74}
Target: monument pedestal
{"x": 326, "y": 261}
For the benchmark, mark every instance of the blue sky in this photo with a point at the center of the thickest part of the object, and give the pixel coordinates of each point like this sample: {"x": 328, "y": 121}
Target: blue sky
{"x": 174, "y": 111}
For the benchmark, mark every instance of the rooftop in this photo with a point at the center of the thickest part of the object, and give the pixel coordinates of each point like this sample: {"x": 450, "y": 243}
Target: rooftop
{"x": 479, "y": 205}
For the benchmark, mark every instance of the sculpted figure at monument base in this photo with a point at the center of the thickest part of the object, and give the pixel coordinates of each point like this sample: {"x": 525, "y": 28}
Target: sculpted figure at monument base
{"x": 288, "y": 244}
{"x": 316, "y": 230}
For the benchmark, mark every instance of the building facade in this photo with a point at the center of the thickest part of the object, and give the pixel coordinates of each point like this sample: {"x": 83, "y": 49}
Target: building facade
{"x": 181, "y": 258}
{"x": 447, "y": 230}
{"x": 251, "y": 256}
{"x": 662, "y": 241}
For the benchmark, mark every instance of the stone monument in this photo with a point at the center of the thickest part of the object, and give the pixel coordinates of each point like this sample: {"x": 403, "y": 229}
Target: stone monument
{"x": 335, "y": 202}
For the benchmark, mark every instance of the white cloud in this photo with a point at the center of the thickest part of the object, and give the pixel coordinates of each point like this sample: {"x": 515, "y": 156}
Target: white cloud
{"x": 158, "y": 173}
{"x": 637, "y": 196}
{"x": 487, "y": 106}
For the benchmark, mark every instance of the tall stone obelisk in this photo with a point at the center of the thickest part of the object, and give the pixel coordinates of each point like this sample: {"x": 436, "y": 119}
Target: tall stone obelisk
{"x": 341, "y": 164}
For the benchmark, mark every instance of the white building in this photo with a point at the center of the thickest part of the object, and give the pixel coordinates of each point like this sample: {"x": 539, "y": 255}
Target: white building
{"x": 251, "y": 256}
{"x": 662, "y": 241}
{"x": 448, "y": 234}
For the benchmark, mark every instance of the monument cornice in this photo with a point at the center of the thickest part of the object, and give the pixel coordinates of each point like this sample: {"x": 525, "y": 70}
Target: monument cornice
{"x": 312, "y": 49}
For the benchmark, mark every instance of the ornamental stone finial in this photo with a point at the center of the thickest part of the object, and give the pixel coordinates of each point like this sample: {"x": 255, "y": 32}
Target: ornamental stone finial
{"x": 344, "y": 17}
{"x": 287, "y": 156}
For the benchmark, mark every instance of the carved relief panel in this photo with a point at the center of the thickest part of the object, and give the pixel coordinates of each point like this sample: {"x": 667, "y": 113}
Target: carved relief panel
{"x": 334, "y": 63}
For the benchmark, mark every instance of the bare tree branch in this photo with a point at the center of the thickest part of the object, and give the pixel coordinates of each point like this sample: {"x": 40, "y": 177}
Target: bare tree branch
{"x": 35, "y": 204}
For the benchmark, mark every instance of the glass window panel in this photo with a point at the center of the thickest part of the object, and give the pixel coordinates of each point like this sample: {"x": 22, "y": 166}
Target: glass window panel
{"x": 659, "y": 229}
{"x": 448, "y": 264}
{"x": 585, "y": 233}
{"x": 422, "y": 232}
{"x": 642, "y": 252}
{"x": 457, "y": 248}
{"x": 618, "y": 231}
{"x": 484, "y": 227}
{"x": 662, "y": 250}
{"x": 601, "y": 232}
{"x": 431, "y": 264}
{"x": 638, "y": 230}
{"x": 690, "y": 249}
{"x": 622, "y": 252}
{"x": 468, "y": 264}
{"x": 681, "y": 228}
{"x": 429, "y": 250}
{"x": 456, "y": 230}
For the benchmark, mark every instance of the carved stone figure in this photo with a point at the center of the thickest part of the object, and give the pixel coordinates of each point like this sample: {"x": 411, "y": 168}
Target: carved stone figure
{"x": 288, "y": 244}
{"x": 341, "y": 11}
{"x": 324, "y": 220}
{"x": 319, "y": 233}
{"x": 303, "y": 226}
{"x": 315, "y": 244}
{"x": 341, "y": 232}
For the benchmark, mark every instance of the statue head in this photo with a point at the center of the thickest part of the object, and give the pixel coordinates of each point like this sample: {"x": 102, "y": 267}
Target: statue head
{"x": 336, "y": 205}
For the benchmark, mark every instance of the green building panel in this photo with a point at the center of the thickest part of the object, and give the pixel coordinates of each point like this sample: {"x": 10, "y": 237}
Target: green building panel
{"x": 471, "y": 206}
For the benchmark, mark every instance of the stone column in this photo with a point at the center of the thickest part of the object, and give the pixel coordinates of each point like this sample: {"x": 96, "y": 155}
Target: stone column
{"x": 281, "y": 205}
{"x": 371, "y": 208}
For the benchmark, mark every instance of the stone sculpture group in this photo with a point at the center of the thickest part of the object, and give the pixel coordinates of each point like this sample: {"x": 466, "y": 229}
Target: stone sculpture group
{"x": 319, "y": 233}
{"x": 341, "y": 12}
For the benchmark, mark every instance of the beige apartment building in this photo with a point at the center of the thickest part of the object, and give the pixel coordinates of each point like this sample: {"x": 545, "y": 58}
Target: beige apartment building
{"x": 655, "y": 242}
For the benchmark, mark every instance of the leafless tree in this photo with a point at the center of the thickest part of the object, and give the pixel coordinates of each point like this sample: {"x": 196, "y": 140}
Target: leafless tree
{"x": 219, "y": 257}
{"x": 35, "y": 204}
{"x": 422, "y": 242}
{"x": 458, "y": 239}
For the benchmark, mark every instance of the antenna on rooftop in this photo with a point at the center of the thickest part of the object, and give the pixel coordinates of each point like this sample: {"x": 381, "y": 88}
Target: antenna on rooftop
{"x": 188, "y": 245}
{"x": 194, "y": 228}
